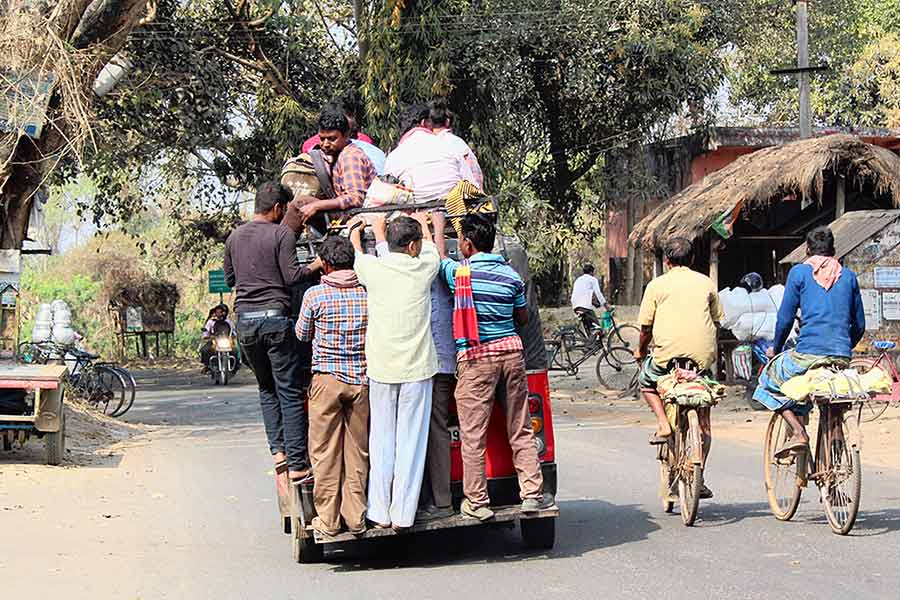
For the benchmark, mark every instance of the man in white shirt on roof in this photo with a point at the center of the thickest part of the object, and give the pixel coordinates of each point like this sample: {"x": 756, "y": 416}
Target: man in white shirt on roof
{"x": 441, "y": 120}
{"x": 422, "y": 162}
{"x": 584, "y": 292}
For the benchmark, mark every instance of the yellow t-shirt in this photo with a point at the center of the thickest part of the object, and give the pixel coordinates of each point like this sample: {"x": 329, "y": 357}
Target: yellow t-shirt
{"x": 683, "y": 308}
{"x": 399, "y": 346}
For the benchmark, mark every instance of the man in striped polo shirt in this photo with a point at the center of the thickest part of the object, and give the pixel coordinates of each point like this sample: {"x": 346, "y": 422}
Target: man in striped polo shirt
{"x": 489, "y": 352}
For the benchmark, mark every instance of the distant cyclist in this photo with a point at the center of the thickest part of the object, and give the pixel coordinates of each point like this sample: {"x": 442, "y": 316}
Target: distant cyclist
{"x": 586, "y": 295}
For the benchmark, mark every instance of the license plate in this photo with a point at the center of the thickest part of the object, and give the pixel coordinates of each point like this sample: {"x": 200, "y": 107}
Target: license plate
{"x": 454, "y": 434}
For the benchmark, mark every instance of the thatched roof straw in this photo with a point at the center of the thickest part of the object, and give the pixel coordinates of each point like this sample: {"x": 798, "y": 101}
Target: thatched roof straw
{"x": 766, "y": 176}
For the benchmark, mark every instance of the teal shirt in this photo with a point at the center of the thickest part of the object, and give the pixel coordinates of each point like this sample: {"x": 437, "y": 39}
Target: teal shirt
{"x": 497, "y": 291}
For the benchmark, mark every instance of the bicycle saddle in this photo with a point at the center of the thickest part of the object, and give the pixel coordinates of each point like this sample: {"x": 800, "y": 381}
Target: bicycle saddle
{"x": 884, "y": 345}
{"x": 82, "y": 354}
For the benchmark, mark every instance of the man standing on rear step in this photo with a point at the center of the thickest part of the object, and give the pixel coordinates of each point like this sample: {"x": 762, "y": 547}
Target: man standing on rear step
{"x": 261, "y": 265}
{"x": 488, "y": 296}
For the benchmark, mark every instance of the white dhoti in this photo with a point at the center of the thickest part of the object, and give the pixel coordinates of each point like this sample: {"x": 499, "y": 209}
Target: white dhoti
{"x": 398, "y": 439}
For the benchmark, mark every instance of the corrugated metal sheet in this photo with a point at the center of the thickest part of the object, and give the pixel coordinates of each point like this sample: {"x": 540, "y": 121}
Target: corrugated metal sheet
{"x": 850, "y": 230}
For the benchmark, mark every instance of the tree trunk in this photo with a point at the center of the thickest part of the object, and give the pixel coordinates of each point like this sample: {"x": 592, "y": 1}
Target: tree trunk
{"x": 101, "y": 26}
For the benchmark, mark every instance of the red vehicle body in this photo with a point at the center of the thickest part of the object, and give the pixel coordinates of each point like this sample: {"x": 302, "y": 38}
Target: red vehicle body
{"x": 502, "y": 479}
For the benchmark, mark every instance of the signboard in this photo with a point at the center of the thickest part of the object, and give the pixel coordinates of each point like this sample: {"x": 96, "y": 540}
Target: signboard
{"x": 217, "y": 283}
{"x": 872, "y": 307}
{"x": 887, "y": 277}
{"x": 890, "y": 306}
{"x": 134, "y": 318}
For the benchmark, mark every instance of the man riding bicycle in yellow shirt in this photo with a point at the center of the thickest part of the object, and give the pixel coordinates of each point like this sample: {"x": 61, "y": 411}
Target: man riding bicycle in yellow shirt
{"x": 679, "y": 313}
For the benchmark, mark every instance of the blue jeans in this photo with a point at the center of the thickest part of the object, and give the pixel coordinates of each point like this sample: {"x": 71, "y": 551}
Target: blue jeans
{"x": 270, "y": 348}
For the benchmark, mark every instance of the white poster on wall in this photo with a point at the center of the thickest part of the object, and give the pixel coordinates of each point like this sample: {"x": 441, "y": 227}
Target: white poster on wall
{"x": 890, "y": 306}
{"x": 872, "y": 307}
{"x": 887, "y": 277}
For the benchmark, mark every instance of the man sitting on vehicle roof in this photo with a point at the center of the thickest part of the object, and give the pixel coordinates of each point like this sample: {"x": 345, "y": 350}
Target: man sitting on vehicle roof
{"x": 679, "y": 314}
{"x": 350, "y": 109}
{"x": 351, "y": 171}
{"x": 833, "y": 322}
{"x": 440, "y": 119}
{"x": 489, "y": 300}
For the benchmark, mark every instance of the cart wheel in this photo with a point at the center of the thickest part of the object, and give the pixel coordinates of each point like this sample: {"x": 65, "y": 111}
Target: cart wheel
{"x": 538, "y": 534}
{"x": 56, "y": 442}
{"x": 305, "y": 549}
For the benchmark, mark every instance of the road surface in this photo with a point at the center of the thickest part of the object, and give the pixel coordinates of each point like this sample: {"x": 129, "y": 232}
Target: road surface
{"x": 187, "y": 511}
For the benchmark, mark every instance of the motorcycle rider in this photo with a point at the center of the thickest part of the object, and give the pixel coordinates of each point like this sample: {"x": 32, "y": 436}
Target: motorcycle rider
{"x": 216, "y": 315}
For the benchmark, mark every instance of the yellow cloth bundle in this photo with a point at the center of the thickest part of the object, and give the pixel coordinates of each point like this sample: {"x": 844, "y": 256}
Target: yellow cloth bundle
{"x": 843, "y": 383}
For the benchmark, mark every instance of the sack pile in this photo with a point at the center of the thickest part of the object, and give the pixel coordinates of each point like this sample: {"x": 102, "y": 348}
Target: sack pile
{"x": 687, "y": 388}
{"x": 751, "y": 316}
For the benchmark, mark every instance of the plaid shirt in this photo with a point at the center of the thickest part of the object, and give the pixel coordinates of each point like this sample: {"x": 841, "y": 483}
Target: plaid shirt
{"x": 334, "y": 319}
{"x": 505, "y": 345}
{"x": 351, "y": 176}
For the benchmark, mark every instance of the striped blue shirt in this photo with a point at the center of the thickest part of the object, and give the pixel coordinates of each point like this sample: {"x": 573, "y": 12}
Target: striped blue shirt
{"x": 497, "y": 291}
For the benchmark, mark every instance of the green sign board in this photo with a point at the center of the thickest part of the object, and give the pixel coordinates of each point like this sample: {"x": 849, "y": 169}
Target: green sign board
{"x": 217, "y": 283}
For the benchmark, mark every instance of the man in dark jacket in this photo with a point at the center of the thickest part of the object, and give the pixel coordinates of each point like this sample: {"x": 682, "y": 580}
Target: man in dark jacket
{"x": 261, "y": 265}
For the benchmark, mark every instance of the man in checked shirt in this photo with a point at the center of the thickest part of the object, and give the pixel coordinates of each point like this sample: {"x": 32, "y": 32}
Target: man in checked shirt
{"x": 334, "y": 317}
{"x": 351, "y": 171}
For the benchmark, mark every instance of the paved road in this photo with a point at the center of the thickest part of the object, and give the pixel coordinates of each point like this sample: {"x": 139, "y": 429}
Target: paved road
{"x": 189, "y": 513}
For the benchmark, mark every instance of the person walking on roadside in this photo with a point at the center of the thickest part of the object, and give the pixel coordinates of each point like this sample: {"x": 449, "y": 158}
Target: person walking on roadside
{"x": 261, "y": 265}
{"x": 333, "y": 316}
{"x": 489, "y": 300}
{"x": 400, "y": 362}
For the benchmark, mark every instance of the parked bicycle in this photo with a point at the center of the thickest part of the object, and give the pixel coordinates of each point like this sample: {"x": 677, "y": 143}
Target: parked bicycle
{"x": 106, "y": 386}
{"x": 569, "y": 348}
{"x": 834, "y": 464}
{"x": 875, "y": 407}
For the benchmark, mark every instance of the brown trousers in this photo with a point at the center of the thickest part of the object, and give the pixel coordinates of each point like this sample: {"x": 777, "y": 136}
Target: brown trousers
{"x": 436, "y": 486}
{"x": 475, "y": 393}
{"x": 339, "y": 450}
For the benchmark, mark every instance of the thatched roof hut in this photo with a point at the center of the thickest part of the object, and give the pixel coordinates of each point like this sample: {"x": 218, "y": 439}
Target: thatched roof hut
{"x": 767, "y": 176}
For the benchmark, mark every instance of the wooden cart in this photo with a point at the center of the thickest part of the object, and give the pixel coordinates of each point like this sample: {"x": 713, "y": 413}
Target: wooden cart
{"x": 46, "y": 417}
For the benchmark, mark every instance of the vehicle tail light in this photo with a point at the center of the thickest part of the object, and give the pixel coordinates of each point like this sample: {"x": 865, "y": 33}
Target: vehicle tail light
{"x": 539, "y": 445}
{"x": 534, "y": 404}
{"x": 537, "y": 424}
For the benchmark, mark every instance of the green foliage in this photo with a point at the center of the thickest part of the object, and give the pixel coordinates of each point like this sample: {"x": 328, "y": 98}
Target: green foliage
{"x": 853, "y": 37}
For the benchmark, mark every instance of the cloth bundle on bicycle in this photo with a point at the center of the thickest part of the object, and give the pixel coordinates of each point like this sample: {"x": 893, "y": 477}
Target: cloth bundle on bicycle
{"x": 843, "y": 383}
{"x": 688, "y": 388}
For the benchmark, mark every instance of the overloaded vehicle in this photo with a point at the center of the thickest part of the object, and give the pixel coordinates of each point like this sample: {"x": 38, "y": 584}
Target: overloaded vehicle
{"x": 538, "y": 529}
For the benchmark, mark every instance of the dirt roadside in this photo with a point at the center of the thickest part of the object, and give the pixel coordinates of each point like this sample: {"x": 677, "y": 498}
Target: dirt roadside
{"x": 733, "y": 420}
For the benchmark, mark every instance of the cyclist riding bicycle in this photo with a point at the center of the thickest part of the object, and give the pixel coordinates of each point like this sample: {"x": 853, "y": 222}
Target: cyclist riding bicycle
{"x": 586, "y": 295}
{"x": 833, "y": 322}
{"x": 679, "y": 313}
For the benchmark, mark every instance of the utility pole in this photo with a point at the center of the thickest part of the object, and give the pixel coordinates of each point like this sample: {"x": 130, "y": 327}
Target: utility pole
{"x": 803, "y": 66}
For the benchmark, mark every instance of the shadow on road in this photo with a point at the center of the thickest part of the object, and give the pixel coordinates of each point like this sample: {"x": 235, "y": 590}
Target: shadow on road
{"x": 583, "y": 526}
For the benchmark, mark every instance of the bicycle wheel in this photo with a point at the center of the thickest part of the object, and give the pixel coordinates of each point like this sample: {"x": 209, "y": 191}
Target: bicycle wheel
{"x": 108, "y": 389}
{"x": 130, "y": 389}
{"x": 690, "y": 469}
{"x": 617, "y": 370}
{"x": 871, "y": 409}
{"x": 840, "y": 482}
{"x": 784, "y": 476}
{"x": 624, "y": 335}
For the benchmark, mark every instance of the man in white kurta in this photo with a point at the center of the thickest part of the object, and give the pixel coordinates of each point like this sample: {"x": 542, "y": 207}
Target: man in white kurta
{"x": 400, "y": 362}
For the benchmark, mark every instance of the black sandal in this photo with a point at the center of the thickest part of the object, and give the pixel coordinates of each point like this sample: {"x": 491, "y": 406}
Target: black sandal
{"x": 658, "y": 440}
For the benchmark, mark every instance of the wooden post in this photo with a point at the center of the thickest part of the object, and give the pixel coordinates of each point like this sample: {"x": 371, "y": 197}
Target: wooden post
{"x": 714, "y": 244}
{"x": 803, "y": 63}
{"x": 714, "y": 261}
{"x": 657, "y": 263}
{"x": 840, "y": 197}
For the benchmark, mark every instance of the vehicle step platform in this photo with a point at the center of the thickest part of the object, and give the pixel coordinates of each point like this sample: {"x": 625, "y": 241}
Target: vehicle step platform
{"x": 501, "y": 514}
